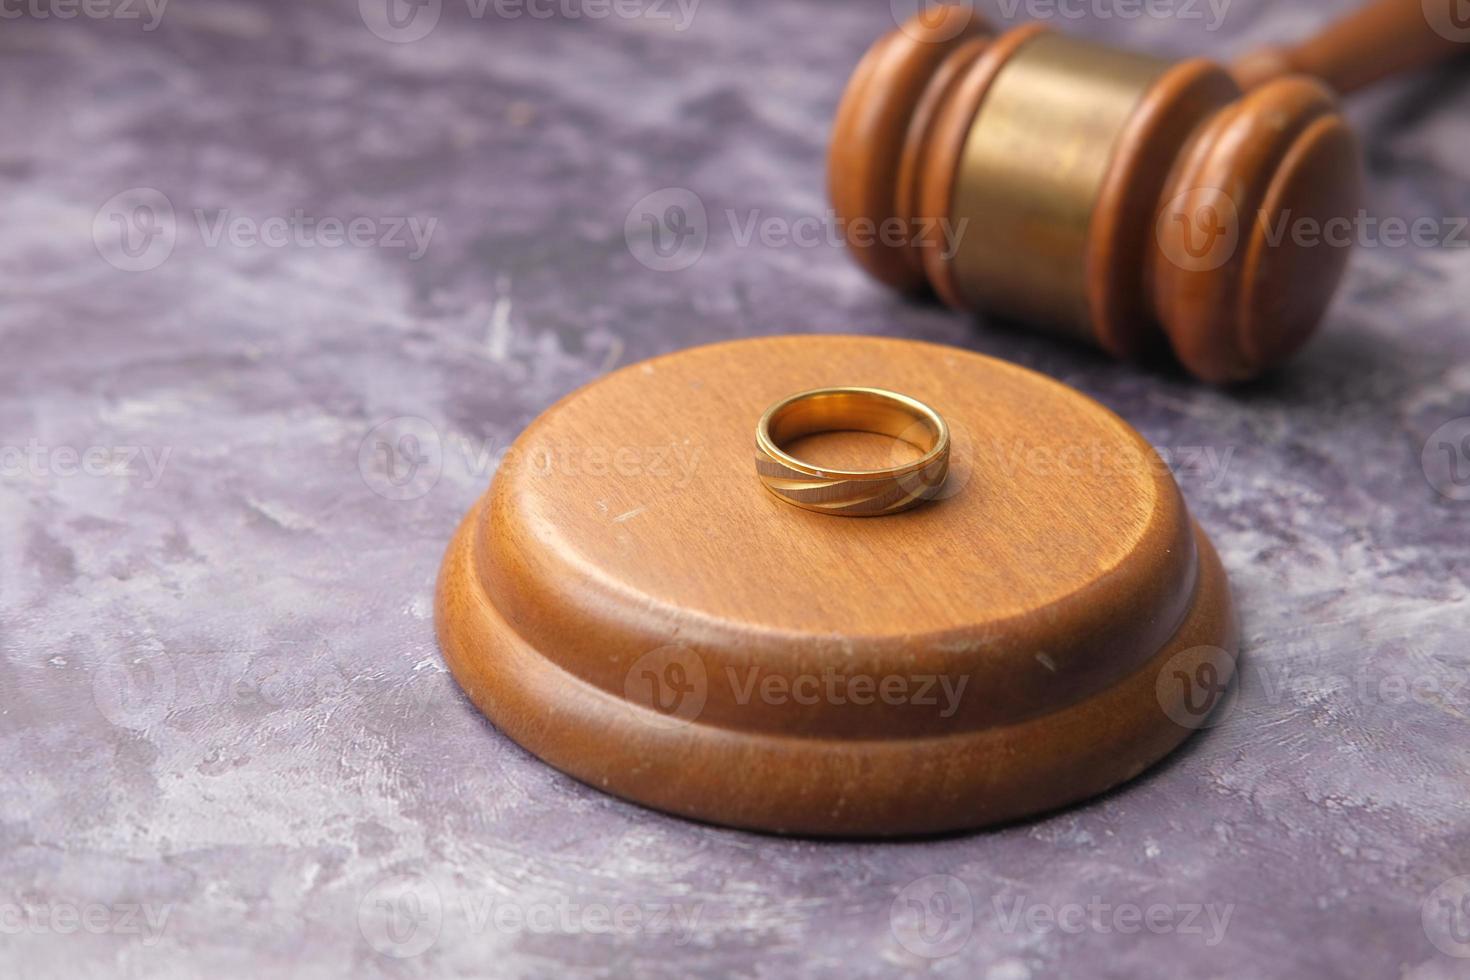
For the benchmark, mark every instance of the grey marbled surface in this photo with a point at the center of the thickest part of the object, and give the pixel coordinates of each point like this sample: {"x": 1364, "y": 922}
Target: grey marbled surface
{"x": 228, "y": 745}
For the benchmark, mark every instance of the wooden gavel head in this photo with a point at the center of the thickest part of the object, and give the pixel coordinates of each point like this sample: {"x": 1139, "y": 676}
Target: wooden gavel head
{"x": 1113, "y": 196}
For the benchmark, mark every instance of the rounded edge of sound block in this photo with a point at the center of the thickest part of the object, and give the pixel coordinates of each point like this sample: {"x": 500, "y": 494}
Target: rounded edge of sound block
{"x": 828, "y": 787}
{"x": 812, "y": 772}
{"x": 867, "y": 144}
{"x": 1234, "y": 299}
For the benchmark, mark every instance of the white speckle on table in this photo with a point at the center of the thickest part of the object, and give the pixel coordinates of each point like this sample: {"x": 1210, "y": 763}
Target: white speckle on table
{"x": 497, "y": 334}
{"x": 1008, "y": 969}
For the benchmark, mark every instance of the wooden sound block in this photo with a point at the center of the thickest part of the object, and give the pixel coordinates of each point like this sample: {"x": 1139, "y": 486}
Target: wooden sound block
{"x": 630, "y": 604}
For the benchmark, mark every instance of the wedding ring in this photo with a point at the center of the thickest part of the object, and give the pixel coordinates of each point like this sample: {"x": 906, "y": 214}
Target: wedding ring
{"x": 852, "y": 493}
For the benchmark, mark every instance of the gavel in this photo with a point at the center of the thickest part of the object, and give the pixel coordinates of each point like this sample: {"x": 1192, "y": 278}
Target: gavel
{"x": 1117, "y": 197}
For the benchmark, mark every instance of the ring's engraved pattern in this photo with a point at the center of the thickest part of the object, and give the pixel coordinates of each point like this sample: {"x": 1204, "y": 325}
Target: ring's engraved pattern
{"x": 852, "y": 493}
{"x": 850, "y": 496}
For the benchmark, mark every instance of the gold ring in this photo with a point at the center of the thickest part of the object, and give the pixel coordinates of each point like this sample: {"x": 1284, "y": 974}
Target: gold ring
{"x": 852, "y": 493}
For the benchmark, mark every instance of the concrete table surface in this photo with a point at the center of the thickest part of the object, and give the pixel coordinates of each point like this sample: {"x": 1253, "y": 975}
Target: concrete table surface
{"x": 228, "y": 745}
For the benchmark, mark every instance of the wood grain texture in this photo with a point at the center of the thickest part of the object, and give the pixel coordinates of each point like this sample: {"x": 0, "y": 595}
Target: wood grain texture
{"x": 887, "y": 90}
{"x": 1381, "y": 39}
{"x": 1235, "y": 284}
{"x": 1120, "y": 237}
{"x": 1048, "y": 588}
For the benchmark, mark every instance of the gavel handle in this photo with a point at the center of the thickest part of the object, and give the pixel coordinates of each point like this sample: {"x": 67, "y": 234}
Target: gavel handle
{"x": 1382, "y": 39}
